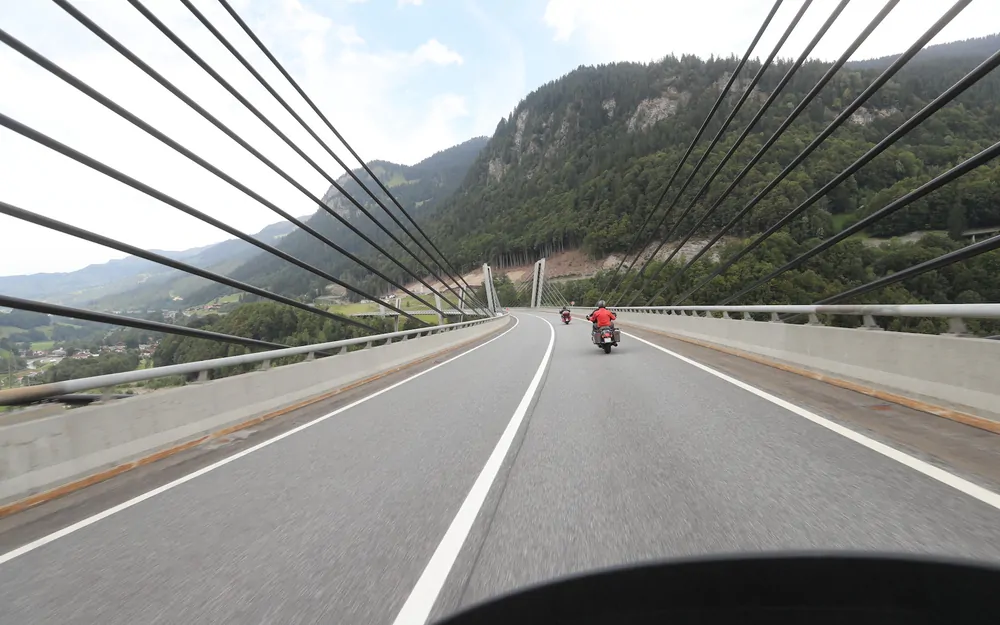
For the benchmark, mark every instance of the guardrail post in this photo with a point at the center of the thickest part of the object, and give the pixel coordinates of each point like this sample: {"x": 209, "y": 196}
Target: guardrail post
{"x": 957, "y": 327}
{"x": 814, "y": 320}
{"x": 203, "y": 375}
{"x": 869, "y": 323}
{"x": 747, "y": 317}
{"x": 266, "y": 365}
{"x": 487, "y": 280}
{"x": 775, "y": 318}
{"x": 310, "y": 356}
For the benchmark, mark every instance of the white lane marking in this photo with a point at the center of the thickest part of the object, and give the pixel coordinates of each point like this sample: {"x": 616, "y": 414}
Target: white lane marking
{"x": 20, "y": 551}
{"x": 973, "y": 490}
{"x": 418, "y": 605}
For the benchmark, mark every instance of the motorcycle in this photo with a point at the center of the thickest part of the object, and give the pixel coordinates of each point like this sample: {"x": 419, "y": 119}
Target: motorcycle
{"x": 606, "y": 337}
{"x": 566, "y": 317}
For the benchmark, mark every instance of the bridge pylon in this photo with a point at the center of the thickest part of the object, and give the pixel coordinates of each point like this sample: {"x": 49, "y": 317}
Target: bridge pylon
{"x": 537, "y": 282}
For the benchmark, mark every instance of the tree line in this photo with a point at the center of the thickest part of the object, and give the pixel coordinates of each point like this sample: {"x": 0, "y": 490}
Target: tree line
{"x": 846, "y": 265}
{"x": 266, "y": 321}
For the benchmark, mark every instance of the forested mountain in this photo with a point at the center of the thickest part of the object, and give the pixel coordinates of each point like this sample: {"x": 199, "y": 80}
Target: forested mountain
{"x": 419, "y": 188}
{"x": 582, "y": 158}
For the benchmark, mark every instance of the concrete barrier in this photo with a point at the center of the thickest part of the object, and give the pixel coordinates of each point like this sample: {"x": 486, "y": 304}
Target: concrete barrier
{"x": 45, "y": 453}
{"x": 959, "y": 373}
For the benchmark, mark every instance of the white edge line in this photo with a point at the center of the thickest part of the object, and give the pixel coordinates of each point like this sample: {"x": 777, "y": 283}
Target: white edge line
{"x": 973, "y": 490}
{"x": 44, "y": 540}
{"x": 422, "y": 598}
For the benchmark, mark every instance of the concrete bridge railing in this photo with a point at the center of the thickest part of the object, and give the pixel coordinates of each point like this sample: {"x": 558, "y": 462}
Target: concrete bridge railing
{"x": 953, "y": 374}
{"x": 53, "y": 453}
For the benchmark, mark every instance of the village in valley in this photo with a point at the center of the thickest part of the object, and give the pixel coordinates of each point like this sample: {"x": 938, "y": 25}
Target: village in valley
{"x": 36, "y": 348}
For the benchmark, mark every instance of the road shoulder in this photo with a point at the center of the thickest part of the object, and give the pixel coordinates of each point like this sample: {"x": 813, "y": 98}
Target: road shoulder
{"x": 961, "y": 449}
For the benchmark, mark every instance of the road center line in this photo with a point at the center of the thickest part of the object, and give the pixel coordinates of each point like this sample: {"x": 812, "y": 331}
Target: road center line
{"x": 44, "y": 540}
{"x": 418, "y": 605}
{"x": 973, "y": 490}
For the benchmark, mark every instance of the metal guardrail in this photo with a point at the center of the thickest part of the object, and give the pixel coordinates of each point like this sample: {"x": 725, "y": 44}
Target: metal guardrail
{"x": 32, "y": 394}
{"x": 961, "y": 311}
{"x": 389, "y": 313}
{"x": 955, "y": 313}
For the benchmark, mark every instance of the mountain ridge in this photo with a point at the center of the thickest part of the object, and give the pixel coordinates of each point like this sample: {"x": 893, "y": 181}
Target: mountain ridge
{"x": 419, "y": 188}
{"x": 98, "y": 284}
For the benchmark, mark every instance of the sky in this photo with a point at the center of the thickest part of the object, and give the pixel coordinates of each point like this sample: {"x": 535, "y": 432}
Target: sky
{"x": 399, "y": 79}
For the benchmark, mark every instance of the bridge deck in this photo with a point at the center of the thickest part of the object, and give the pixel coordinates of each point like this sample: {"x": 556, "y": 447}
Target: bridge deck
{"x": 622, "y": 457}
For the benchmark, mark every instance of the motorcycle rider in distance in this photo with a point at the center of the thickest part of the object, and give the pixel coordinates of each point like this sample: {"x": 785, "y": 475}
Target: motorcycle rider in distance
{"x": 564, "y": 314}
{"x": 602, "y": 317}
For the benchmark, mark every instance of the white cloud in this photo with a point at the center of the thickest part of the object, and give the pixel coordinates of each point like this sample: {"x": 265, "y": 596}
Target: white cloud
{"x": 561, "y": 16}
{"x": 436, "y": 52}
{"x": 643, "y": 30}
{"x": 415, "y": 3}
{"x": 355, "y": 86}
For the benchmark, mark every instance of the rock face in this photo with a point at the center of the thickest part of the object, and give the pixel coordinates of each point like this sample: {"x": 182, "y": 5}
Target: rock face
{"x": 653, "y": 110}
{"x": 864, "y": 116}
{"x": 545, "y": 133}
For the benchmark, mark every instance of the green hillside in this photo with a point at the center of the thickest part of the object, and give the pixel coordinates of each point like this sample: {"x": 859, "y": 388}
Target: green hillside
{"x": 419, "y": 188}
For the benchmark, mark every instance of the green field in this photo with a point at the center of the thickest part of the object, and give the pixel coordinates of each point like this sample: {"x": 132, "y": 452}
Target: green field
{"x": 405, "y": 303}
{"x": 232, "y": 298}
{"x": 350, "y": 309}
{"x": 42, "y": 345}
{"x": 6, "y": 331}
{"x": 411, "y": 302}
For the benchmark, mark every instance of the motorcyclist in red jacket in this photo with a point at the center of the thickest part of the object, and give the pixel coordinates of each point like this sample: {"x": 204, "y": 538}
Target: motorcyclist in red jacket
{"x": 602, "y": 316}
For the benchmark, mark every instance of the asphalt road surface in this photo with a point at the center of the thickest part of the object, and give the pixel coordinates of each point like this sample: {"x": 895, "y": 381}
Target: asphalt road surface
{"x": 531, "y": 456}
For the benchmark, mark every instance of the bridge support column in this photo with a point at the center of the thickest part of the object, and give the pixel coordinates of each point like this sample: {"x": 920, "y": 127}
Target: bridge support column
{"x": 437, "y": 303}
{"x": 537, "y": 280}
{"x": 488, "y": 286}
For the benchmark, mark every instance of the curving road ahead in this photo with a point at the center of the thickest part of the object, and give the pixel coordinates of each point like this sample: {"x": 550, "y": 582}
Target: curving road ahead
{"x": 529, "y": 456}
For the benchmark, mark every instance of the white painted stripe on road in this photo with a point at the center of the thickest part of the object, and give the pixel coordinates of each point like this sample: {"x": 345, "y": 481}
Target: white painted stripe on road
{"x": 20, "y": 551}
{"x": 973, "y": 490}
{"x": 418, "y": 605}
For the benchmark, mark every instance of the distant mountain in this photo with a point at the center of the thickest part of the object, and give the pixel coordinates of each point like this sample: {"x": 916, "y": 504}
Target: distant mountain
{"x": 134, "y": 282}
{"x": 419, "y": 188}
